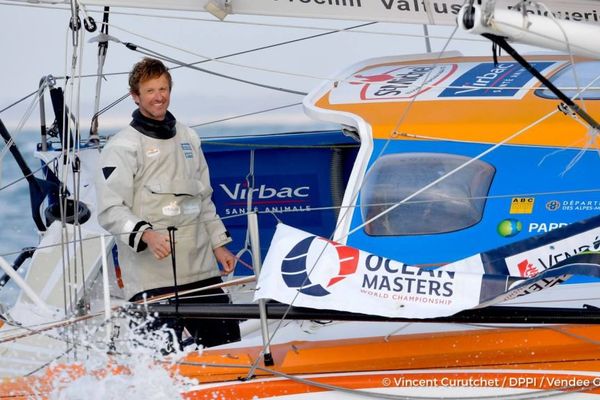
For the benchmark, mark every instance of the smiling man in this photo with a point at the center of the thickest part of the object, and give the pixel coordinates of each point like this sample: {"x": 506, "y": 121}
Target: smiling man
{"x": 154, "y": 180}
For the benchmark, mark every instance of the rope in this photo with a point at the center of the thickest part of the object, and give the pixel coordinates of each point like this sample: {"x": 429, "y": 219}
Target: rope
{"x": 171, "y": 230}
{"x": 74, "y": 320}
{"x": 245, "y": 115}
{"x": 94, "y": 119}
{"x": 152, "y": 53}
{"x": 219, "y": 59}
{"x": 341, "y": 218}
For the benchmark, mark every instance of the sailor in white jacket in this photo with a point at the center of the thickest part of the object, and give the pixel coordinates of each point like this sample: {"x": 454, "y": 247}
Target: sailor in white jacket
{"x": 154, "y": 176}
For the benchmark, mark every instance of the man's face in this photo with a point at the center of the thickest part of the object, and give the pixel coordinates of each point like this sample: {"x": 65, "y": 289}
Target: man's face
{"x": 154, "y": 97}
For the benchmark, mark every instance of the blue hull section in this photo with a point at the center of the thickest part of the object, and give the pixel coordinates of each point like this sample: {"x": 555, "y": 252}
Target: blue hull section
{"x": 531, "y": 193}
{"x": 298, "y": 179}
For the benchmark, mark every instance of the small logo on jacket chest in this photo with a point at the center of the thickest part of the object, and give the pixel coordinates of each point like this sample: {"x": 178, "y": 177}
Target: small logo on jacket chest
{"x": 187, "y": 150}
{"x": 152, "y": 151}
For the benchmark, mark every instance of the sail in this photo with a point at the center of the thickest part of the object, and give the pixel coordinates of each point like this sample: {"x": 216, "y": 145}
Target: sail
{"x": 434, "y": 12}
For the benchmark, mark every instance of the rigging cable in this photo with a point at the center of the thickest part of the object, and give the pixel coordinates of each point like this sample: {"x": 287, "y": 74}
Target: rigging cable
{"x": 219, "y": 59}
{"x": 73, "y": 303}
{"x": 271, "y": 46}
{"x": 248, "y": 51}
{"x": 102, "y": 50}
{"x": 152, "y": 53}
{"x": 344, "y": 216}
{"x": 245, "y": 115}
{"x": 20, "y": 100}
{"x": 24, "y": 119}
{"x": 400, "y": 121}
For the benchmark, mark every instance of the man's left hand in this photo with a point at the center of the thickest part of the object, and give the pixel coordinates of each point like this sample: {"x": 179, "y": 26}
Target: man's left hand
{"x": 225, "y": 258}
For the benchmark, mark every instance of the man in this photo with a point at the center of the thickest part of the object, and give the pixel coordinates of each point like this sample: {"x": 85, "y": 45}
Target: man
{"x": 154, "y": 179}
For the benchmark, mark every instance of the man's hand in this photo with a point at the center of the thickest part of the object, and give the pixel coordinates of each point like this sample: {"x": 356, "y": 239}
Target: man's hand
{"x": 225, "y": 258}
{"x": 158, "y": 243}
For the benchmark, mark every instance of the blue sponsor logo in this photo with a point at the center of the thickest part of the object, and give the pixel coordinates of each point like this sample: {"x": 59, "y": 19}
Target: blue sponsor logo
{"x": 504, "y": 79}
{"x": 291, "y": 194}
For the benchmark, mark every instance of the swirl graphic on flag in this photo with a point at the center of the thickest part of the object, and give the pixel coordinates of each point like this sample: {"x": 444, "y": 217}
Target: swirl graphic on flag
{"x": 295, "y": 269}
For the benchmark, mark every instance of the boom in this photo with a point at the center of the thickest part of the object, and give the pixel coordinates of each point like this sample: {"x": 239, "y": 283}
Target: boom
{"x": 433, "y": 12}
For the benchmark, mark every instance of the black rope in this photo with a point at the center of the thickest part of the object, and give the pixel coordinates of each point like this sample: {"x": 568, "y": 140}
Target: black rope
{"x": 495, "y": 53}
{"x": 103, "y": 46}
{"x": 171, "y": 230}
{"x": 503, "y": 44}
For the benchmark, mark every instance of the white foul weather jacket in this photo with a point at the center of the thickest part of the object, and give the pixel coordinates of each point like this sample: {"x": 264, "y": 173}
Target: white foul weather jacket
{"x": 146, "y": 182}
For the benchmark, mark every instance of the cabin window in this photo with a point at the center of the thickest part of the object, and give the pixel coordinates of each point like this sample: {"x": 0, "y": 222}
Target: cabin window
{"x": 588, "y": 73}
{"x": 455, "y": 203}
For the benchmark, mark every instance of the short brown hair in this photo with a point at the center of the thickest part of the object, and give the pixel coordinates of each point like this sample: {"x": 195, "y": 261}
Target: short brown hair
{"x": 147, "y": 68}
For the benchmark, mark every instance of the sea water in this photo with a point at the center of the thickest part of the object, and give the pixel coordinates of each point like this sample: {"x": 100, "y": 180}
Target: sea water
{"x": 17, "y": 229}
{"x": 132, "y": 364}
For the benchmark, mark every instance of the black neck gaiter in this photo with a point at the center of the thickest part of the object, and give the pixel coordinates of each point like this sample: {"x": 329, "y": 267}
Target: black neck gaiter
{"x": 164, "y": 129}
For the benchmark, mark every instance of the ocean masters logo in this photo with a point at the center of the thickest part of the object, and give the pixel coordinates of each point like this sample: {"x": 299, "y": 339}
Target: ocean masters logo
{"x": 302, "y": 270}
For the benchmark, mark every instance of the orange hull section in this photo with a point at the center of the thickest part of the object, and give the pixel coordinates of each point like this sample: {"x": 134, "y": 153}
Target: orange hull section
{"x": 470, "y": 120}
{"x": 498, "y": 358}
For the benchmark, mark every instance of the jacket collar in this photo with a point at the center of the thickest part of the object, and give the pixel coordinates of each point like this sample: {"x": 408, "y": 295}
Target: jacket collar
{"x": 164, "y": 129}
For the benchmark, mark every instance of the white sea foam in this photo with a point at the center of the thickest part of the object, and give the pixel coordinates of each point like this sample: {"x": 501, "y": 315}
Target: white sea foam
{"x": 135, "y": 368}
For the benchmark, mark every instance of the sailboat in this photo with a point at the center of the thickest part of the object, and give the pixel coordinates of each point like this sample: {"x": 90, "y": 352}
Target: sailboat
{"x": 454, "y": 195}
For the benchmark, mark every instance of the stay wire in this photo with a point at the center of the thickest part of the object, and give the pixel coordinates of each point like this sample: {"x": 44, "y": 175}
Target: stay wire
{"x": 152, "y": 53}
{"x": 212, "y": 59}
{"x": 216, "y": 121}
{"x": 342, "y": 218}
{"x": 271, "y": 46}
{"x": 253, "y": 50}
{"x": 19, "y": 101}
{"x": 400, "y": 121}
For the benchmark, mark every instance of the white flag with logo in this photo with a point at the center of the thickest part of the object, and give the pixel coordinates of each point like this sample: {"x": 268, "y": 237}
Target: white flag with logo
{"x": 309, "y": 271}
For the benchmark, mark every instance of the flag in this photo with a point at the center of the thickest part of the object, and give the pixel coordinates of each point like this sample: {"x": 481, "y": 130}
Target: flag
{"x": 306, "y": 270}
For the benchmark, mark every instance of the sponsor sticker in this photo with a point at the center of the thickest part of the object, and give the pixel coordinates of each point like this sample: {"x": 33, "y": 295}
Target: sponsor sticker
{"x": 187, "y": 150}
{"x": 509, "y": 227}
{"x": 451, "y": 81}
{"x": 381, "y": 83}
{"x": 576, "y": 205}
{"x": 272, "y": 194}
{"x": 522, "y": 205}
{"x": 501, "y": 80}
